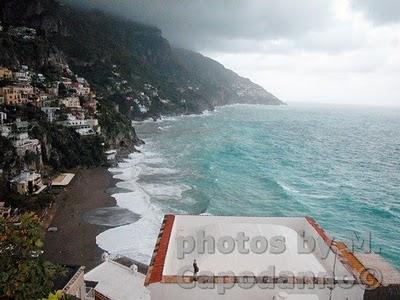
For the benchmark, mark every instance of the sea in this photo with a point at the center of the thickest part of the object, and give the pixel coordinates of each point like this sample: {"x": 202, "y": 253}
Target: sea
{"x": 339, "y": 164}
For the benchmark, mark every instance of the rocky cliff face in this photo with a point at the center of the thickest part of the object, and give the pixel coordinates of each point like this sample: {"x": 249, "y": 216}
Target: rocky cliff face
{"x": 34, "y": 49}
{"x": 129, "y": 64}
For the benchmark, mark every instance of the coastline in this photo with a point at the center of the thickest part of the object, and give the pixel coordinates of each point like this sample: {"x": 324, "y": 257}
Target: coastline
{"x": 74, "y": 243}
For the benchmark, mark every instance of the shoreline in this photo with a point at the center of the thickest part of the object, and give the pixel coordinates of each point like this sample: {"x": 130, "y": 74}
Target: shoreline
{"x": 168, "y": 116}
{"x": 74, "y": 243}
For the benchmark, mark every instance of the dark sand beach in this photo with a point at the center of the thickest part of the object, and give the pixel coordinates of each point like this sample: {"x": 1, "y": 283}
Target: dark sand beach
{"x": 75, "y": 241}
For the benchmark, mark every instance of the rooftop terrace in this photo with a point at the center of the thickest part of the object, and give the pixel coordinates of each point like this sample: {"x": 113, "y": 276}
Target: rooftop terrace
{"x": 308, "y": 256}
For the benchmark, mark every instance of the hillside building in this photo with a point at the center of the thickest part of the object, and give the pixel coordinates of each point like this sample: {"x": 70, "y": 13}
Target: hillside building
{"x": 12, "y": 96}
{"x": 5, "y": 74}
{"x": 70, "y": 102}
{"x": 27, "y": 183}
{"x": 82, "y": 126}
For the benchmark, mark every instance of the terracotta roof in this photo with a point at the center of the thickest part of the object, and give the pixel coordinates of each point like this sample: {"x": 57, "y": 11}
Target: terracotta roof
{"x": 155, "y": 270}
{"x": 349, "y": 260}
{"x": 320, "y": 231}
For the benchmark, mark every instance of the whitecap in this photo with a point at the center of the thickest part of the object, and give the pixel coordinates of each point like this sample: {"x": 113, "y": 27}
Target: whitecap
{"x": 165, "y": 190}
{"x": 146, "y": 170}
{"x": 137, "y": 240}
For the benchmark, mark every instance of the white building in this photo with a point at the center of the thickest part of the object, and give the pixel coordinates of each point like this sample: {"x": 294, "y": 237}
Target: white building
{"x": 85, "y": 131}
{"x": 24, "y": 144}
{"x": 83, "y": 127}
{"x": 3, "y": 117}
{"x": 22, "y": 76}
{"x": 113, "y": 280}
{"x": 258, "y": 258}
{"x": 5, "y": 130}
{"x": 27, "y": 182}
{"x": 70, "y": 102}
{"x": 41, "y": 77}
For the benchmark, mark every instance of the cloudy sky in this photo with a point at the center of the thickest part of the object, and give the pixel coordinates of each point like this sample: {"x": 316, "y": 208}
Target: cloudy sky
{"x": 340, "y": 51}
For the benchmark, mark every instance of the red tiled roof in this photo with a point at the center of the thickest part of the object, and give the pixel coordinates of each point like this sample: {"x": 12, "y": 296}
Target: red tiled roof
{"x": 154, "y": 272}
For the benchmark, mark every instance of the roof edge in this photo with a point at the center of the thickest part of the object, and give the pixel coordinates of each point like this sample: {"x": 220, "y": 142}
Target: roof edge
{"x": 154, "y": 272}
{"x": 361, "y": 273}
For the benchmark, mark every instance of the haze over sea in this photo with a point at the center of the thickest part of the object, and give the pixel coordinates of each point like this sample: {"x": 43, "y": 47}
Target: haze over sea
{"x": 338, "y": 164}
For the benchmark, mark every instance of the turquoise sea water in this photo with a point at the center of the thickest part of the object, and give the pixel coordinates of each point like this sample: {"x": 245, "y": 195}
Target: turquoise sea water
{"x": 338, "y": 164}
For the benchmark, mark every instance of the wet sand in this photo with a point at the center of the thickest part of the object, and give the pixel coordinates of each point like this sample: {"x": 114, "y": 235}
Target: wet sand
{"x": 75, "y": 241}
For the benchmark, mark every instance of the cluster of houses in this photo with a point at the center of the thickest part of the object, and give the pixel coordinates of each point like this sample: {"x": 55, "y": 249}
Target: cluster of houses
{"x": 26, "y": 182}
{"x": 67, "y": 102}
{"x": 17, "y": 132}
{"x": 22, "y": 32}
{"x": 141, "y": 99}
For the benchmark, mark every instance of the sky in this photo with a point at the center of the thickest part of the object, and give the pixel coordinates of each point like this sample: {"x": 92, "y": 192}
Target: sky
{"x": 333, "y": 51}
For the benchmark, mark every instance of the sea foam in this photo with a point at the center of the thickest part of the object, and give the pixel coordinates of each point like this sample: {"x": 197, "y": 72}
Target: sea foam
{"x": 136, "y": 240}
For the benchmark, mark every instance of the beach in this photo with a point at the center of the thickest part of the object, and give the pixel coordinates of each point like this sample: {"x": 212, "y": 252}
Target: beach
{"x": 74, "y": 243}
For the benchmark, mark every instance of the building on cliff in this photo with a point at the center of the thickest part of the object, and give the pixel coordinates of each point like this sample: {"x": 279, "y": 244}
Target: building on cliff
{"x": 23, "y": 144}
{"x": 22, "y": 76}
{"x": 12, "y": 96}
{"x": 261, "y": 258}
{"x": 5, "y": 74}
{"x": 3, "y": 117}
{"x": 82, "y": 126}
{"x": 27, "y": 183}
{"x": 80, "y": 89}
{"x": 70, "y": 102}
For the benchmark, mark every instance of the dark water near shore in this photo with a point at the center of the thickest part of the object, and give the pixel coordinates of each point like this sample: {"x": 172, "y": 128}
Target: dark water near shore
{"x": 338, "y": 164}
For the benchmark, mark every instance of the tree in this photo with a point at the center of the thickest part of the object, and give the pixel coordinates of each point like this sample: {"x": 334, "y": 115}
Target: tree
{"x": 62, "y": 90}
{"x": 59, "y": 295}
{"x": 8, "y": 157}
{"x": 56, "y": 296}
{"x": 23, "y": 273}
{"x": 30, "y": 157}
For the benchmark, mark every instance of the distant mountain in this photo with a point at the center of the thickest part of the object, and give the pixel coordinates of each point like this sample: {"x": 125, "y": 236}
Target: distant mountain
{"x": 128, "y": 63}
{"x": 231, "y": 87}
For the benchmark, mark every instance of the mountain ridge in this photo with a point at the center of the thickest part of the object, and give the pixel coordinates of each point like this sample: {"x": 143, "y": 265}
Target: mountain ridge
{"x": 129, "y": 63}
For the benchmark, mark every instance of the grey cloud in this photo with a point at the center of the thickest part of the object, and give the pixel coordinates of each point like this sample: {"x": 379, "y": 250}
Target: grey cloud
{"x": 379, "y": 11}
{"x": 211, "y": 24}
